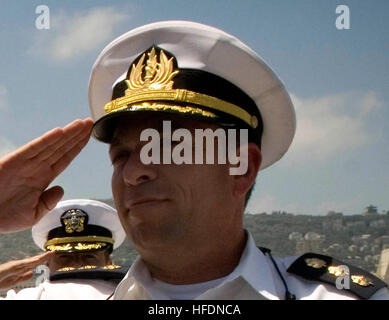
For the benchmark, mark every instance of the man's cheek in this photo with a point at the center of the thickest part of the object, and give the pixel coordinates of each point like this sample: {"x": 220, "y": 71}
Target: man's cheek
{"x": 115, "y": 183}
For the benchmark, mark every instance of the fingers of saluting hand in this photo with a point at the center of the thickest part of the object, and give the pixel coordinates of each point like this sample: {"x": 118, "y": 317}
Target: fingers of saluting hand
{"x": 62, "y": 157}
{"x": 49, "y": 147}
{"x": 72, "y": 134}
{"x": 26, "y": 264}
{"x": 12, "y": 280}
{"x": 22, "y": 268}
{"x": 58, "y": 161}
{"x": 13, "y": 272}
{"x": 61, "y": 143}
{"x": 24, "y": 277}
{"x": 37, "y": 260}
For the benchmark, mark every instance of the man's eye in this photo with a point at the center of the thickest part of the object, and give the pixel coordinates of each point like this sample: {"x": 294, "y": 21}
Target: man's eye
{"x": 90, "y": 258}
{"x": 119, "y": 157}
{"x": 63, "y": 258}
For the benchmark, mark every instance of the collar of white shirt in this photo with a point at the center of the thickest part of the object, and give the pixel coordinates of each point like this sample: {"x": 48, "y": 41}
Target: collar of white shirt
{"x": 253, "y": 278}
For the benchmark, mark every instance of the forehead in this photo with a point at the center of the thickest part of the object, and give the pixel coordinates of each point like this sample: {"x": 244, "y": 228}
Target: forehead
{"x": 75, "y": 255}
{"x": 130, "y": 128}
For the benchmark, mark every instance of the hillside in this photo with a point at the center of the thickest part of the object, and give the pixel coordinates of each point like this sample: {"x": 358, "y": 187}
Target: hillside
{"x": 355, "y": 239}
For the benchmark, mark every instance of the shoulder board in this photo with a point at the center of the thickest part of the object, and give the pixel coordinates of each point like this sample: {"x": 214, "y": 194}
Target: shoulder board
{"x": 317, "y": 267}
{"x": 113, "y": 274}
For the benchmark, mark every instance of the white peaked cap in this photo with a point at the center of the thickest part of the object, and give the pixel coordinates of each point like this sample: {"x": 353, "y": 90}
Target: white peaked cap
{"x": 205, "y": 48}
{"x": 99, "y": 214}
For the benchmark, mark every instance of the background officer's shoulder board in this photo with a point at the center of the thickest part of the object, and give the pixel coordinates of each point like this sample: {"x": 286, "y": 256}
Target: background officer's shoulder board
{"x": 317, "y": 267}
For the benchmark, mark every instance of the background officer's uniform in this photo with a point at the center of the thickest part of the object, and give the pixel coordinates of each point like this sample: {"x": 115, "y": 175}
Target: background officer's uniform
{"x": 73, "y": 226}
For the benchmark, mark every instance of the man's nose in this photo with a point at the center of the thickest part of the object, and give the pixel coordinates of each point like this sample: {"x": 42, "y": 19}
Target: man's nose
{"x": 136, "y": 173}
{"x": 75, "y": 261}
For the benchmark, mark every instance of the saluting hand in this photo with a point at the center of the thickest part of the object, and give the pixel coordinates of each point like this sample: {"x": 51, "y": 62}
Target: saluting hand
{"x": 27, "y": 172}
{"x": 16, "y": 271}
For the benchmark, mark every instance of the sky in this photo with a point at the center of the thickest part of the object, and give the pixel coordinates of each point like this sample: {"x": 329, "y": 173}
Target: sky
{"x": 338, "y": 80}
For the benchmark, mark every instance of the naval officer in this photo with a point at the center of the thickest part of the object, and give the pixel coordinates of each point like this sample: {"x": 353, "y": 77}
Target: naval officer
{"x": 184, "y": 218}
{"x": 81, "y": 234}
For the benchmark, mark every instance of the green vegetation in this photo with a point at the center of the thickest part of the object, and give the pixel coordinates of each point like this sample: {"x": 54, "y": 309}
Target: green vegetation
{"x": 356, "y": 239}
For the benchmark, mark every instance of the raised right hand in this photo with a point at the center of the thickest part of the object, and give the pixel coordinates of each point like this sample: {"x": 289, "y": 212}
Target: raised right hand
{"x": 27, "y": 172}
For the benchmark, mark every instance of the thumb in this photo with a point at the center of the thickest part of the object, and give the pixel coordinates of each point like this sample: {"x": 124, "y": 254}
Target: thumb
{"x": 47, "y": 201}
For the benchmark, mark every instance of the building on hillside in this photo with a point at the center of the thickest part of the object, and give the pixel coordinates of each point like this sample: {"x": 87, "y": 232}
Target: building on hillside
{"x": 379, "y": 223}
{"x": 361, "y": 239}
{"x": 312, "y": 242}
{"x": 334, "y": 221}
{"x": 333, "y": 214}
{"x": 383, "y": 266}
{"x": 355, "y": 224}
{"x": 294, "y": 236}
{"x": 370, "y": 211}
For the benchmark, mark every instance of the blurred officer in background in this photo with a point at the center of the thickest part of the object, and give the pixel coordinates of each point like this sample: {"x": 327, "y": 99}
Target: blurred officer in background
{"x": 79, "y": 235}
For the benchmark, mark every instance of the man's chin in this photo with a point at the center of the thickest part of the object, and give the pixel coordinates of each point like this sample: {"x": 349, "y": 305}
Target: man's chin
{"x": 152, "y": 233}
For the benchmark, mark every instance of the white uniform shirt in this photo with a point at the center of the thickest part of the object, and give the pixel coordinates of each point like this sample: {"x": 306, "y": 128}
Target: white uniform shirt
{"x": 255, "y": 277}
{"x": 66, "y": 290}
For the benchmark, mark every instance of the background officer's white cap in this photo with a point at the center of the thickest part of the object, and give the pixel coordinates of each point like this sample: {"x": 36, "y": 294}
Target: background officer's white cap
{"x": 78, "y": 225}
{"x": 206, "y": 73}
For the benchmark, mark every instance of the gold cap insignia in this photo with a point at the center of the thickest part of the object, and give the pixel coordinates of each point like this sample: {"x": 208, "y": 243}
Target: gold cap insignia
{"x": 66, "y": 269}
{"x": 87, "y": 267}
{"x": 78, "y": 243}
{"x": 158, "y": 75}
{"x": 315, "y": 263}
{"x": 111, "y": 267}
{"x": 90, "y": 267}
{"x": 362, "y": 281}
{"x": 74, "y": 220}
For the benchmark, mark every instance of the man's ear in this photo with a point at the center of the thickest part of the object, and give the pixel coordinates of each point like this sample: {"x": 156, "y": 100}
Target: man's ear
{"x": 243, "y": 182}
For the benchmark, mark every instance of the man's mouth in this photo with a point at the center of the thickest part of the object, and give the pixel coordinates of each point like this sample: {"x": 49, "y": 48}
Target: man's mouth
{"x": 143, "y": 202}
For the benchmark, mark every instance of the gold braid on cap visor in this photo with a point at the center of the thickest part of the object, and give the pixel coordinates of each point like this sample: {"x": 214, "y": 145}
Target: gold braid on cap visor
{"x": 78, "y": 243}
{"x": 157, "y": 85}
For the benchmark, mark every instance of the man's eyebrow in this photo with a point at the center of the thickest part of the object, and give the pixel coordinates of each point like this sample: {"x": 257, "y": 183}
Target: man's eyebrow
{"x": 114, "y": 143}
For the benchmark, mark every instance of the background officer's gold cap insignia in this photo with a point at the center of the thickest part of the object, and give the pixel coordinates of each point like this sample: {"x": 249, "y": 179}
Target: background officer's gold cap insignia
{"x": 191, "y": 70}
{"x": 74, "y": 220}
